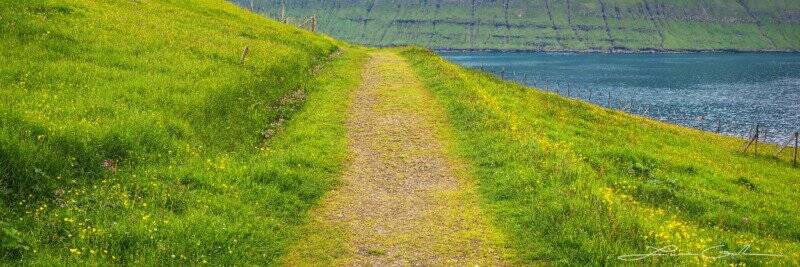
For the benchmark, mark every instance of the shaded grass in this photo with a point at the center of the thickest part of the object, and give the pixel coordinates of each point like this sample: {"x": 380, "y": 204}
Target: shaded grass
{"x": 130, "y": 133}
{"x": 573, "y": 183}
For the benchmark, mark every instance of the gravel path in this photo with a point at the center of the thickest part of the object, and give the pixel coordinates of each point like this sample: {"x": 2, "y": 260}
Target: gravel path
{"x": 402, "y": 200}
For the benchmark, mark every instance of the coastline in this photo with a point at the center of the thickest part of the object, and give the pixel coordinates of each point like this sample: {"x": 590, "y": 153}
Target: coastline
{"x": 604, "y": 51}
{"x": 619, "y": 51}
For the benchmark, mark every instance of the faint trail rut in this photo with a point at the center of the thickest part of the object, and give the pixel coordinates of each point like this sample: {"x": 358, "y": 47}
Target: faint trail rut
{"x": 656, "y": 24}
{"x": 757, "y": 22}
{"x": 553, "y": 23}
{"x": 402, "y": 201}
{"x": 611, "y": 40}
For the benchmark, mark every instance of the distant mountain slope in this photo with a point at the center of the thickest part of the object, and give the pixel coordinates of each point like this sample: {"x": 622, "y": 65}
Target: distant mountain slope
{"x": 556, "y": 25}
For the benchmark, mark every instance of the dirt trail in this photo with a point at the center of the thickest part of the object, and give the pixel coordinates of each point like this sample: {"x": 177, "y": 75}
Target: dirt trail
{"x": 402, "y": 200}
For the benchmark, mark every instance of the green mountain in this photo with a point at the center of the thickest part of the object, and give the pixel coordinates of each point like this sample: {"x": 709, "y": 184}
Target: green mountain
{"x": 555, "y": 25}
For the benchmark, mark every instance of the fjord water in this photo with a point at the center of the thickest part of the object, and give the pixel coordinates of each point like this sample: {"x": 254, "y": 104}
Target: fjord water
{"x": 729, "y": 92}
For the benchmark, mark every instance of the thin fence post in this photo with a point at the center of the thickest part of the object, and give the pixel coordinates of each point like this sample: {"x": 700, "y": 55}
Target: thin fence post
{"x": 244, "y": 55}
{"x": 283, "y": 11}
{"x": 314, "y": 23}
{"x": 758, "y": 134}
{"x": 753, "y": 138}
{"x": 719, "y": 125}
{"x": 796, "y": 141}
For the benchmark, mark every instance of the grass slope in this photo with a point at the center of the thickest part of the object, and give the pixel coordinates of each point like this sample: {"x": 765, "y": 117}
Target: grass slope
{"x": 556, "y": 25}
{"x": 130, "y": 133}
{"x": 573, "y": 183}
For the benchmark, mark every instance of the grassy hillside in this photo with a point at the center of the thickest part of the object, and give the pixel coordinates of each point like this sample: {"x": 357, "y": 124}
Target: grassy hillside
{"x": 573, "y": 183}
{"x": 556, "y": 25}
{"x": 130, "y": 133}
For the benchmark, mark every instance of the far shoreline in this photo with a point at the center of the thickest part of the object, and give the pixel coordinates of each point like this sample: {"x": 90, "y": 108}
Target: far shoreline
{"x": 597, "y": 51}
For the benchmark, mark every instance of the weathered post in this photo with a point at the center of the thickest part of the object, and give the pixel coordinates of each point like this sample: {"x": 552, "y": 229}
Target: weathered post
{"x": 283, "y": 11}
{"x": 796, "y": 141}
{"x": 753, "y": 138}
{"x": 314, "y": 23}
{"x": 609, "y": 100}
{"x": 719, "y": 125}
{"x": 755, "y": 146}
{"x": 244, "y": 55}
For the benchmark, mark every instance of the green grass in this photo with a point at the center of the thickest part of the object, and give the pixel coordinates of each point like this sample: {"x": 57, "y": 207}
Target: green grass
{"x": 206, "y": 160}
{"x": 130, "y": 133}
{"x": 572, "y": 183}
{"x": 558, "y": 25}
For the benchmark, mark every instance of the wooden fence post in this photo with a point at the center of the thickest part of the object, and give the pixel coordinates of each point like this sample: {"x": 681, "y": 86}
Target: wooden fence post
{"x": 753, "y": 138}
{"x": 244, "y": 55}
{"x": 758, "y": 134}
{"x": 314, "y": 23}
{"x": 796, "y": 141}
{"x": 283, "y": 11}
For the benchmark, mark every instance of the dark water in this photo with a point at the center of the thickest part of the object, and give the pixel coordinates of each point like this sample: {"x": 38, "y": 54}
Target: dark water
{"x": 730, "y": 92}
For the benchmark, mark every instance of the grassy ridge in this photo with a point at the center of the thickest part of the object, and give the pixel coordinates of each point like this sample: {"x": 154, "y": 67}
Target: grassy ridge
{"x": 573, "y": 183}
{"x": 556, "y": 25}
{"x": 130, "y": 132}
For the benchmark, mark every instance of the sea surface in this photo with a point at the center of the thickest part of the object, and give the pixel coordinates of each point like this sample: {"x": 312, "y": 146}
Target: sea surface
{"x": 725, "y": 92}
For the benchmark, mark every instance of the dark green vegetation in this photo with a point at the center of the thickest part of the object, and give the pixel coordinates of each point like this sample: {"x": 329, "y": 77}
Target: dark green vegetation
{"x": 556, "y": 25}
{"x": 130, "y": 133}
{"x": 573, "y": 183}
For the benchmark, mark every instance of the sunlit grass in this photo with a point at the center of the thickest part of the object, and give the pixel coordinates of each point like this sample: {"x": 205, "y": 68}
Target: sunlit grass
{"x": 574, "y": 183}
{"x": 131, "y": 133}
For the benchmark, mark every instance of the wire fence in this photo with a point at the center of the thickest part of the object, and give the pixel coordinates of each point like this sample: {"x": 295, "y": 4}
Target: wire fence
{"x": 779, "y": 140}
